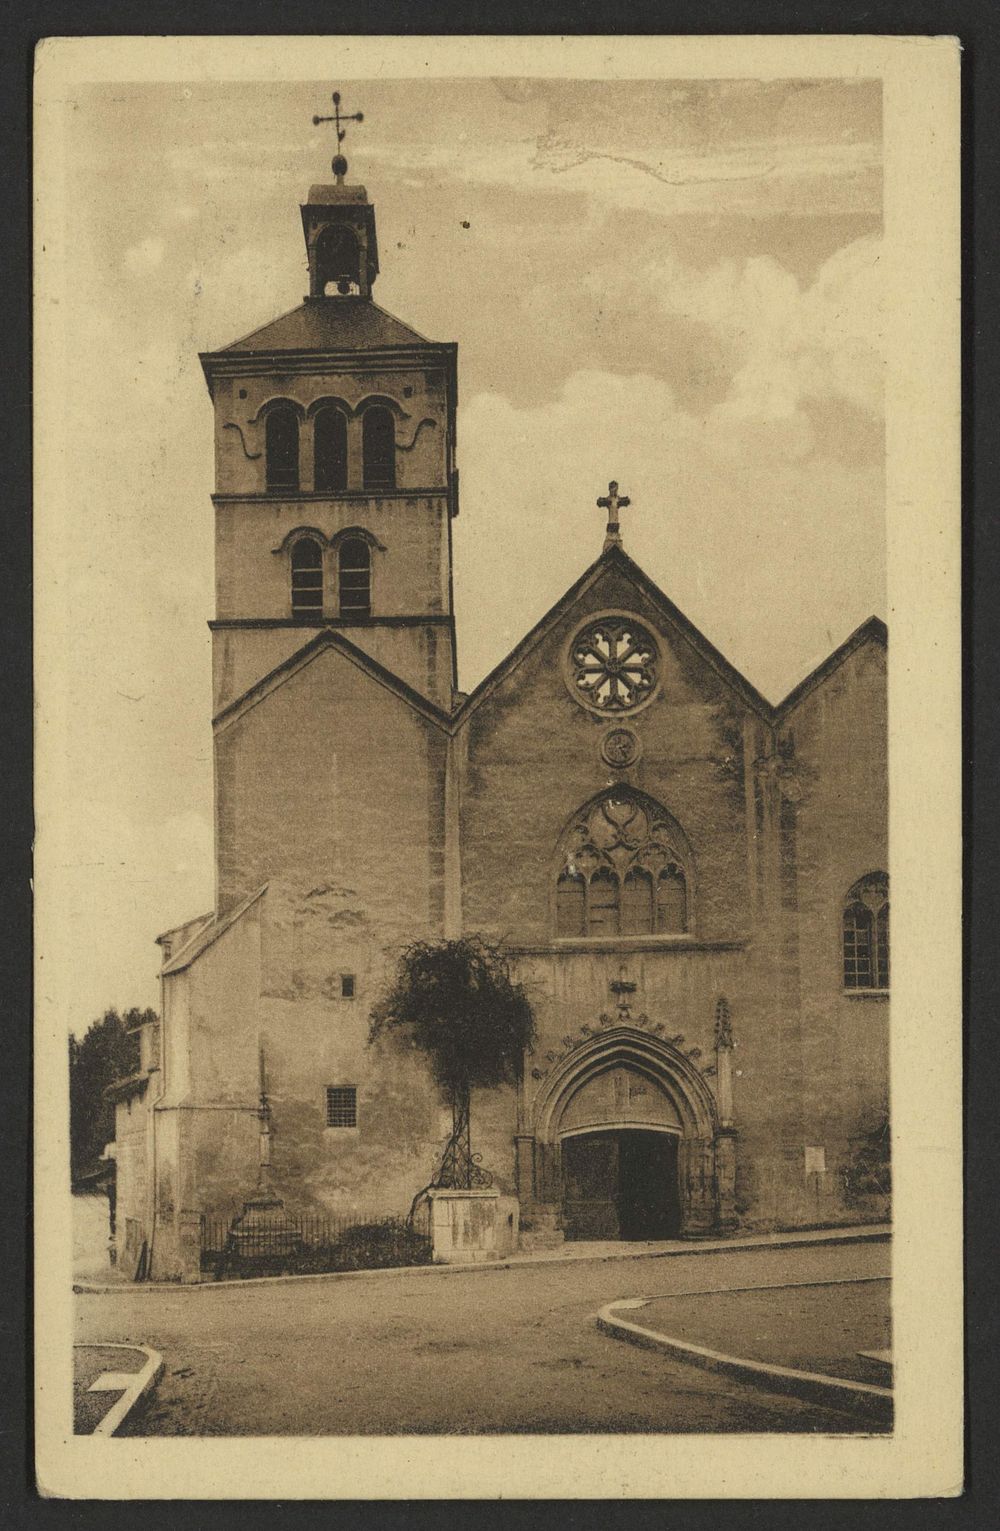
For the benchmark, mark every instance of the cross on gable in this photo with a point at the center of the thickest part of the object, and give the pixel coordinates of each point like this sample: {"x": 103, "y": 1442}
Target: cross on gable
{"x": 613, "y": 502}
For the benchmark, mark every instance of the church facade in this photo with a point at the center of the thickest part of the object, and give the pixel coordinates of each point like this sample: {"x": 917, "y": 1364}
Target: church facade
{"x": 690, "y": 881}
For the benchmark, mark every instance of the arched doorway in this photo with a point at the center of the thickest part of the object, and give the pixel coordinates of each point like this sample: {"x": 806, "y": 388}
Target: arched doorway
{"x": 618, "y": 1133}
{"x": 624, "y": 1140}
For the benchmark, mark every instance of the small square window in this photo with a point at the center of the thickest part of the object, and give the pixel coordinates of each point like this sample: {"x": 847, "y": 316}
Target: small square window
{"x": 341, "y": 1105}
{"x": 347, "y": 985}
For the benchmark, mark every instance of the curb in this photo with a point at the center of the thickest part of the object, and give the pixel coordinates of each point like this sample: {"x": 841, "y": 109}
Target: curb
{"x": 814, "y": 1387}
{"x": 878, "y": 1234}
{"x": 134, "y": 1386}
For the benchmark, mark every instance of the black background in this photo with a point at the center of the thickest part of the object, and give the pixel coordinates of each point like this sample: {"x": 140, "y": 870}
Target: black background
{"x": 977, "y": 27}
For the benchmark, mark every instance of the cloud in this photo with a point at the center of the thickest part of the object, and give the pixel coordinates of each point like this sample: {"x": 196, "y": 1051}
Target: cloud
{"x": 144, "y": 256}
{"x": 772, "y": 548}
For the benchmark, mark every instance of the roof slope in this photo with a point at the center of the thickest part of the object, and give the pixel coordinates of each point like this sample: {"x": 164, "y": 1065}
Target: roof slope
{"x": 872, "y": 631}
{"x": 616, "y": 557}
{"x": 209, "y": 934}
{"x": 328, "y": 324}
{"x": 330, "y": 638}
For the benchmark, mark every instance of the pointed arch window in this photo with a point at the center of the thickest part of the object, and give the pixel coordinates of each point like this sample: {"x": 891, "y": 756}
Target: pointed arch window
{"x": 281, "y": 445}
{"x": 866, "y": 934}
{"x": 330, "y": 449}
{"x": 378, "y": 441}
{"x": 671, "y": 901}
{"x": 354, "y": 578}
{"x": 307, "y": 578}
{"x": 571, "y": 904}
{"x": 622, "y": 871}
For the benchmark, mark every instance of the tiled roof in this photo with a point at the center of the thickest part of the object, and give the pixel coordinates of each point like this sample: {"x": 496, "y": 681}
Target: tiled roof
{"x": 329, "y": 324}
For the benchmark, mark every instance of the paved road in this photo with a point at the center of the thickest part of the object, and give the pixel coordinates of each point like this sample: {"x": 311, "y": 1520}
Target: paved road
{"x": 490, "y": 1351}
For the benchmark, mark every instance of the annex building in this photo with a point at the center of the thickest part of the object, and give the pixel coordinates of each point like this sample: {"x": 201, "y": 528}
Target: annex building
{"x": 691, "y": 881}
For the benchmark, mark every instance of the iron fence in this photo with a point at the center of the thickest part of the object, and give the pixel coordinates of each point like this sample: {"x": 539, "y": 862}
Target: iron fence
{"x": 308, "y": 1241}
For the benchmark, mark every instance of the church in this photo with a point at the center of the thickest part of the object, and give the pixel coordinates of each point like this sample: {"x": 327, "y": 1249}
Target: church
{"x": 690, "y": 881}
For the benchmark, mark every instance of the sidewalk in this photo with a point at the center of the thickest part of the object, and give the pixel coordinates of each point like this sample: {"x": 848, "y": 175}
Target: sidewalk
{"x": 566, "y": 1254}
{"x": 109, "y": 1380}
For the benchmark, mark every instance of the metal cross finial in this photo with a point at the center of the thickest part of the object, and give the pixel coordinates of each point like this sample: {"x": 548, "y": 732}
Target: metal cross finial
{"x": 339, "y": 164}
{"x": 613, "y": 502}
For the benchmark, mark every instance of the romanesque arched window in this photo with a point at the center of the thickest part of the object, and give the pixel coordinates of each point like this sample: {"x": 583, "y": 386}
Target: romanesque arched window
{"x": 307, "y": 578}
{"x": 281, "y": 441}
{"x": 378, "y": 441}
{"x": 623, "y": 870}
{"x": 330, "y": 449}
{"x": 354, "y": 578}
{"x": 866, "y": 934}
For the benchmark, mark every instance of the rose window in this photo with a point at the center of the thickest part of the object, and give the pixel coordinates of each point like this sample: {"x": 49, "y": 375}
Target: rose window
{"x": 613, "y": 665}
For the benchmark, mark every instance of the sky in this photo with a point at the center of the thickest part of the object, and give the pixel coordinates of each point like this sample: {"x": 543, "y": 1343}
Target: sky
{"x": 672, "y": 283}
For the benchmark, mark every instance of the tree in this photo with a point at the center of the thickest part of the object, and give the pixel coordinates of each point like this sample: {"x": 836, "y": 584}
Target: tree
{"x": 105, "y": 1054}
{"x": 457, "y": 1002}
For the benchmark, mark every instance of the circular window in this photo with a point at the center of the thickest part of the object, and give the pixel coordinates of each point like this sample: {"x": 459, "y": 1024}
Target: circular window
{"x": 613, "y": 665}
{"x": 620, "y": 748}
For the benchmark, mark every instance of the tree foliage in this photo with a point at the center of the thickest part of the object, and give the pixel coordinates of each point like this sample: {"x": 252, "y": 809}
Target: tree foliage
{"x": 106, "y": 1053}
{"x": 460, "y": 1006}
{"x": 869, "y": 1169}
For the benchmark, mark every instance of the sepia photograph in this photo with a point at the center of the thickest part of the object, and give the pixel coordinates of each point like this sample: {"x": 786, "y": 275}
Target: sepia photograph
{"x": 469, "y": 773}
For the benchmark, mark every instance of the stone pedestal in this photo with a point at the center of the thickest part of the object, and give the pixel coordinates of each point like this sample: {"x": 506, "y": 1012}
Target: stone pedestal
{"x": 466, "y": 1225}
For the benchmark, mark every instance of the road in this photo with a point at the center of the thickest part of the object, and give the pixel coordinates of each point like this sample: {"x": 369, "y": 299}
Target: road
{"x": 491, "y": 1351}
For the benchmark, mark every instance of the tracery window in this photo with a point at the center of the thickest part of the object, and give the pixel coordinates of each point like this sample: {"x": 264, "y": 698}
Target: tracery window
{"x": 378, "y": 445}
{"x": 330, "y": 448}
{"x": 281, "y": 446}
{"x": 354, "y": 581}
{"x": 622, "y": 871}
{"x": 613, "y": 665}
{"x": 866, "y": 934}
{"x": 307, "y": 578}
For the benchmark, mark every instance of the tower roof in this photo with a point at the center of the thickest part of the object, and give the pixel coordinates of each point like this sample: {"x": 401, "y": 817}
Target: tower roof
{"x": 326, "y": 324}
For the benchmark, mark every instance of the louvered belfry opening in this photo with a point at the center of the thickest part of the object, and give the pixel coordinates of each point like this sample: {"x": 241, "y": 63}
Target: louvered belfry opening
{"x": 307, "y": 578}
{"x": 330, "y": 449}
{"x": 282, "y": 449}
{"x": 379, "y": 448}
{"x": 355, "y": 578}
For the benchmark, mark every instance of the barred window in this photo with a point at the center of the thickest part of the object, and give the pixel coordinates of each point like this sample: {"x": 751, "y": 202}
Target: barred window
{"x": 866, "y": 934}
{"x": 341, "y": 1105}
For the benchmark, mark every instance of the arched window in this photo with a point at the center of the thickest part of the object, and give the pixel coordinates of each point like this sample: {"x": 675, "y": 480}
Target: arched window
{"x": 671, "y": 901}
{"x": 622, "y": 870}
{"x": 637, "y": 903}
{"x": 281, "y": 433}
{"x": 602, "y": 904}
{"x": 866, "y": 934}
{"x": 330, "y": 449}
{"x": 307, "y": 578}
{"x": 378, "y": 434}
{"x": 571, "y": 905}
{"x": 354, "y": 583}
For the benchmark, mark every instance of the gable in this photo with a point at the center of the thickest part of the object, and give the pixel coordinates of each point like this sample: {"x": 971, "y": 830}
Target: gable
{"x": 327, "y": 641}
{"x": 615, "y": 584}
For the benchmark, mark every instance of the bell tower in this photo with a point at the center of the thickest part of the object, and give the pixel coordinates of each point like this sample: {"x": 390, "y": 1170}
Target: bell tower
{"x": 335, "y": 476}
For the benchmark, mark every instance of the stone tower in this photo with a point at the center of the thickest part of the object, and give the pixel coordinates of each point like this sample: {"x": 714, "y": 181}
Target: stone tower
{"x": 335, "y": 478}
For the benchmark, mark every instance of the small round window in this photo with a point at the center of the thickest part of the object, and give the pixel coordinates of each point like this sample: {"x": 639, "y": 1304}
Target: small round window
{"x": 613, "y": 665}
